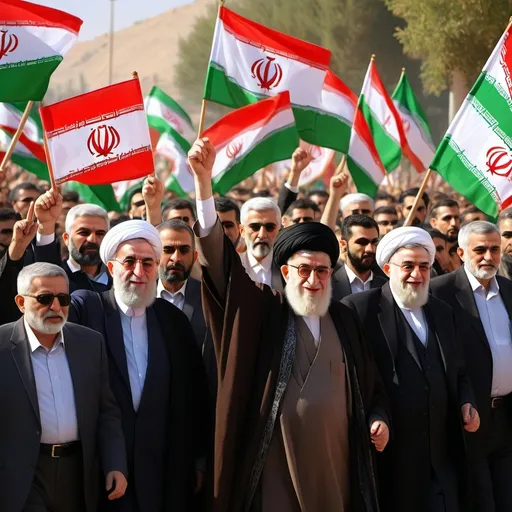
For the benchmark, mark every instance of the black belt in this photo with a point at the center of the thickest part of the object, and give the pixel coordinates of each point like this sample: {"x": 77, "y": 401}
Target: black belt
{"x": 498, "y": 402}
{"x": 60, "y": 450}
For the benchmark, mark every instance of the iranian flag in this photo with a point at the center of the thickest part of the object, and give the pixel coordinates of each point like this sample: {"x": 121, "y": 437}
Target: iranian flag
{"x": 250, "y": 138}
{"x": 475, "y": 155}
{"x": 100, "y": 137}
{"x": 383, "y": 119}
{"x": 29, "y": 154}
{"x": 415, "y": 124}
{"x": 33, "y": 42}
{"x": 163, "y": 113}
{"x": 363, "y": 160}
{"x": 249, "y": 62}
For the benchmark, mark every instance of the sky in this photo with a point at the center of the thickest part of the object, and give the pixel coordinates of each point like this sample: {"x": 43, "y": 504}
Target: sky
{"x": 96, "y": 13}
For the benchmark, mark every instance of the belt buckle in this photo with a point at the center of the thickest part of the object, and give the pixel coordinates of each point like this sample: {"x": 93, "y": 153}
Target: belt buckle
{"x": 53, "y": 451}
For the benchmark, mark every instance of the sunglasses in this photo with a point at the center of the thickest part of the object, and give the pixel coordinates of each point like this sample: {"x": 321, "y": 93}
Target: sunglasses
{"x": 297, "y": 220}
{"x": 269, "y": 226}
{"x": 46, "y": 299}
{"x": 139, "y": 203}
{"x": 304, "y": 271}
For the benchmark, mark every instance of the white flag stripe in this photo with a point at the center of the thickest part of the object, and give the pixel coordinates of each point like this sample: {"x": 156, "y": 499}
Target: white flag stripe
{"x": 338, "y": 105}
{"x": 70, "y": 151}
{"x": 168, "y": 148}
{"x": 11, "y": 118}
{"x": 156, "y": 108}
{"x": 21, "y": 149}
{"x": 37, "y": 43}
{"x": 362, "y": 156}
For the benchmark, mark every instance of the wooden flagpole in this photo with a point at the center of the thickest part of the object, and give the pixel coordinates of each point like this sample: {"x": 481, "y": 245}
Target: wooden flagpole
{"x": 48, "y": 159}
{"x": 412, "y": 213}
{"x": 16, "y": 136}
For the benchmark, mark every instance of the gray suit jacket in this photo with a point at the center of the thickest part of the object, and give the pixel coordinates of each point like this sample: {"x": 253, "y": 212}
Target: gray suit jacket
{"x": 99, "y": 418}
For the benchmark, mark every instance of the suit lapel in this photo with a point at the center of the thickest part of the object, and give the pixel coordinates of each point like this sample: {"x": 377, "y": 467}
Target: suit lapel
{"x": 192, "y": 297}
{"x": 277, "y": 278}
{"x": 437, "y": 330}
{"x": 21, "y": 355}
{"x": 340, "y": 283}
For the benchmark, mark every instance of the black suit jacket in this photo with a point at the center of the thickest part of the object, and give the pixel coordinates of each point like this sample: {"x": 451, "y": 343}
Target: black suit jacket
{"x": 9, "y": 312}
{"x": 341, "y": 284}
{"x": 98, "y": 415}
{"x": 169, "y": 431}
{"x": 455, "y": 289}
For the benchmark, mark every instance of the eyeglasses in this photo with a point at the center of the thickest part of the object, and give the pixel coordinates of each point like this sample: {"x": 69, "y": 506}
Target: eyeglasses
{"x": 304, "y": 271}
{"x": 139, "y": 203}
{"x": 410, "y": 267}
{"x": 269, "y": 226}
{"x": 131, "y": 263}
{"x": 46, "y": 299}
{"x": 297, "y": 220}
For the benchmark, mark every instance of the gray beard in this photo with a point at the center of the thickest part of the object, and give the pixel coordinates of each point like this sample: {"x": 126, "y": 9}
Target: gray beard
{"x": 410, "y": 297}
{"x": 303, "y": 305}
{"x": 37, "y": 323}
{"x": 132, "y": 297}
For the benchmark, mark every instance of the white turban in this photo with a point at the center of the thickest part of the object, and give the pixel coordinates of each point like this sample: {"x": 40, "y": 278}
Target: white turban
{"x": 401, "y": 237}
{"x": 129, "y": 230}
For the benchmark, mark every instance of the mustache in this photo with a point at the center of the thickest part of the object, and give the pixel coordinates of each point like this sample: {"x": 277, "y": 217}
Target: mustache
{"x": 89, "y": 246}
{"x": 51, "y": 314}
{"x": 176, "y": 266}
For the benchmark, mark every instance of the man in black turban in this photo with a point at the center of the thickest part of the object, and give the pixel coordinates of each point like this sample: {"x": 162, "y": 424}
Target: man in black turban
{"x": 300, "y": 408}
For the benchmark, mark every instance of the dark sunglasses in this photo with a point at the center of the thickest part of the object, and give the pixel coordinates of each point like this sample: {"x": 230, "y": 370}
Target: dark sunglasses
{"x": 269, "y": 226}
{"x": 139, "y": 203}
{"x": 303, "y": 219}
{"x": 46, "y": 299}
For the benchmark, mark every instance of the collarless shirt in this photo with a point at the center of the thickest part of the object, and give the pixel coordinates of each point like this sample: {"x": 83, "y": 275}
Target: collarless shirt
{"x": 101, "y": 278}
{"x": 356, "y": 283}
{"x": 55, "y": 392}
{"x": 496, "y": 323}
{"x": 415, "y": 318}
{"x": 177, "y": 298}
{"x": 135, "y": 338}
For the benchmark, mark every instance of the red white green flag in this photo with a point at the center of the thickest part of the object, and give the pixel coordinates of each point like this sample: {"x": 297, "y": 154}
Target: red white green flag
{"x": 249, "y": 62}
{"x": 100, "y": 137}
{"x": 33, "y": 42}
{"x": 250, "y": 138}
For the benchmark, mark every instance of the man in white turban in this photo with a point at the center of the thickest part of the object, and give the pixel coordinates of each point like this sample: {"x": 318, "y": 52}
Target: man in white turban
{"x": 154, "y": 363}
{"x": 416, "y": 348}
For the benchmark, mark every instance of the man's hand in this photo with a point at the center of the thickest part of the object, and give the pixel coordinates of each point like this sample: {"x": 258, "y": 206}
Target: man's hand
{"x": 116, "y": 482}
{"x": 379, "y": 433}
{"x": 48, "y": 209}
{"x": 338, "y": 184}
{"x": 201, "y": 158}
{"x": 24, "y": 232}
{"x": 199, "y": 481}
{"x": 470, "y": 417}
{"x": 153, "y": 192}
{"x": 300, "y": 160}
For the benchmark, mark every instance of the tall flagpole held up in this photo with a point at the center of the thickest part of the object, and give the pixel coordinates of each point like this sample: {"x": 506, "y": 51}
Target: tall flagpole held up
{"x": 421, "y": 191}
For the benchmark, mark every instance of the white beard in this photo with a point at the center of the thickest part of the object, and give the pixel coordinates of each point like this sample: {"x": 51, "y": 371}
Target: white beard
{"x": 134, "y": 297}
{"x": 480, "y": 274}
{"x": 304, "y": 304}
{"x": 411, "y": 298}
{"x": 37, "y": 323}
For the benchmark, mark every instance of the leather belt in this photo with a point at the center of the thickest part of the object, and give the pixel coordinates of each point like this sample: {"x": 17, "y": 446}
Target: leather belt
{"x": 60, "y": 450}
{"x": 498, "y": 402}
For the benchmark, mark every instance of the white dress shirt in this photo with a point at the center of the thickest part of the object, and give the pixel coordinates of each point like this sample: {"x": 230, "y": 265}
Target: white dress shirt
{"x": 496, "y": 322}
{"x": 178, "y": 298}
{"x": 356, "y": 283}
{"x": 55, "y": 392}
{"x": 415, "y": 318}
{"x": 135, "y": 338}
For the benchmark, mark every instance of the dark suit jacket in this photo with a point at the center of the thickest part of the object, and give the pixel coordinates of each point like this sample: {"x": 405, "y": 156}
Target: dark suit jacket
{"x": 286, "y": 198}
{"x": 341, "y": 284}
{"x": 99, "y": 418}
{"x": 169, "y": 431}
{"x": 9, "y": 312}
{"x": 455, "y": 289}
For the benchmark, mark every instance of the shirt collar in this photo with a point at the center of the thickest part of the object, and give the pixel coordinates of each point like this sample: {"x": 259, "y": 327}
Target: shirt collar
{"x": 100, "y": 278}
{"x": 265, "y": 263}
{"x": 162, "y": 291}
{"x": 476, "y": 285}
{"x": 127, "y": 310}
{"x": 34, "y": 342}
{"x": 352, "y": 276}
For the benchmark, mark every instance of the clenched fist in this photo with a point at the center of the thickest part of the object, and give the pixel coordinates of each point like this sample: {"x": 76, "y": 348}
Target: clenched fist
{"x": 201, "y": 158}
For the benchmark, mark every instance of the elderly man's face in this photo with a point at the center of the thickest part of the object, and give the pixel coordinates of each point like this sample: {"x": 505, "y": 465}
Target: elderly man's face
{"x": 134, "y": 271}
{"x": 483, "y": 255}
{"x": 409, "y": 275}
{"x": 178, "y": 255}
{"x": 45, "y": 319}
{"x": 308, "y": 284}
{"x": 84, "y": 241}
{"x": 260, "y": 232}
{"x": 358, "y": 208}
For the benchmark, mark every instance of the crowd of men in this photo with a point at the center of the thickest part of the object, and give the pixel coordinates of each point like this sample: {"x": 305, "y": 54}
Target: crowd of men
{"x": 269, "y": 351}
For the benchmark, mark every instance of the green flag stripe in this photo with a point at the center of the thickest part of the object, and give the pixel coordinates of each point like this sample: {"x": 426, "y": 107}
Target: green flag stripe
{"x": 173, "y": 185}
{"x": 161, "y": 96}
{"x": 408, "y": 101}
{"x": 362, "y": 181}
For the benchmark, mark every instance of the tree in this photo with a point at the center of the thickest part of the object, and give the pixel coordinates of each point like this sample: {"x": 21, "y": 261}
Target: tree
{"x": 452, "y": 38}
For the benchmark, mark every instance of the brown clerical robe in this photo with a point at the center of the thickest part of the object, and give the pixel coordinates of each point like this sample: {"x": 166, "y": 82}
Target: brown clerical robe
{"x": 259, "y": 355}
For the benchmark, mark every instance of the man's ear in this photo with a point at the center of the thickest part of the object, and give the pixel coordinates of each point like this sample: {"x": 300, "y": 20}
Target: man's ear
{"x": 20, "y": 302}
{"x": 386, "y": 268}
{"x": 65, "y": 239}
{"x": 242, "y": 230}
{"x": 285, "y": 271}
{"x": 110, "y": 267}
{"x": 460, "y": 252}
{"x": 343, "y": 246}
{"x": 196, "y": 254}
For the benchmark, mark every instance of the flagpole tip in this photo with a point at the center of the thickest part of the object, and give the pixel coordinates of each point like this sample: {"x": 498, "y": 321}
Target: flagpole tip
{"x": 135, "y": 75}
{"x": 373, "y": 57}
{"x": 403, "y": 70}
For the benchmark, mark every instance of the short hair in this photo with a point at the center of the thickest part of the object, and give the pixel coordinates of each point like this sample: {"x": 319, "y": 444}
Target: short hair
{"x": 241, "y": 190}
{"x": 132, "y": 193}
{"x": 122, "y": 218}
{"x": 224, "y": 205}
{"x": 478, "y": 226}
{"x": 389, "y": 210}
{"x": 8, "y": 214}
{"x": 82, "y": 210}
{"x": 505, "y": 214}
{"x": 413, "y": 192}
{"x": 435, "y": 233}
{"x": 356, "y": 220}
{"x": 40, "y": 269}
{"x": 71, "y": 195}
{"x": 13, "y": 194}
{"x": 355, "y": 198}
{"x": 468, "y": 211}
{"x": 179, "y": 203}
{"x": 302, "y": 204}
{"x": 383, "y": 195}
{"x": 260, "y": 204}
{"x": 177, "y": 225}
{"x": 318, "y": 192}
{"x": 262, "y": 193}
{"x": 449, "y": 203}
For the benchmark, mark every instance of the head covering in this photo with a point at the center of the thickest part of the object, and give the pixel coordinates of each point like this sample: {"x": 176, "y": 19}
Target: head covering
{"x": 400, "y": 237}
{"x": 307, "y": 236}
{"x": 129, "y": 230}
{"x": 355, "y": 198}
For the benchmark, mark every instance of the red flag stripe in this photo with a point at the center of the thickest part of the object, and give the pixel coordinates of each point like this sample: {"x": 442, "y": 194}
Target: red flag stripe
{"x": 334, "y": 82}
{"x": 36, "y": 149}
{"x": 363, "y": 130}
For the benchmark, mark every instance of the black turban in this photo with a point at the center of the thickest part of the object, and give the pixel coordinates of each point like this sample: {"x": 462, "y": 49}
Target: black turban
{"x": 307, "y": 236}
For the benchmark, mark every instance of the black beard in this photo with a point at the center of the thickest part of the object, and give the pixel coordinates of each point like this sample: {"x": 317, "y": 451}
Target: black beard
{"x": 165, "y": 274}
{"x": 85, "y": 260}
{"x": 358, "y": 264}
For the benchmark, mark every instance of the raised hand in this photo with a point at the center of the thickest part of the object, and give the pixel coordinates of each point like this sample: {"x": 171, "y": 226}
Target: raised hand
{"x": 201, "y": 158}
{"x": 24, "y": 232}
{"x": 48, "y": 208}
{"x": 339, "y": 183}
{"x": 153, "y": 191}
{"x": 300, "y": 160}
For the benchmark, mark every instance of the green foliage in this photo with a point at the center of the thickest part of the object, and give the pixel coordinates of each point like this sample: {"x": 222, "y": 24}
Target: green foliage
{"x": 449, "y": 35}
